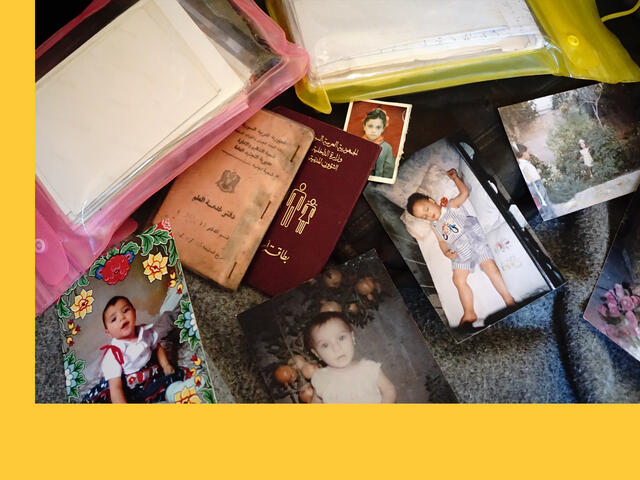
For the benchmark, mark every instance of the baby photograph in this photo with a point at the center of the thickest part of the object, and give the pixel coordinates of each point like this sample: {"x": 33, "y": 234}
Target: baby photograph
{"x": 344, "y": 336}
{"x": 614, "y": 306}
{"x": 386, "y": 124}
{"x": 129, "y": 331}
{"x": 473, "y": 260}
{"x": 577, "y": 148}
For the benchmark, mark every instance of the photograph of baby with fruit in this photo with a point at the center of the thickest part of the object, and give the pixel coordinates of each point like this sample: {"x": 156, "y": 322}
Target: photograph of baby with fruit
{"x": 344, "y": 337}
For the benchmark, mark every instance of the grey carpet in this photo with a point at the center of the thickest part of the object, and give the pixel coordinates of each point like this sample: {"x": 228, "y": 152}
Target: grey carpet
{"x": 543, "y": 353}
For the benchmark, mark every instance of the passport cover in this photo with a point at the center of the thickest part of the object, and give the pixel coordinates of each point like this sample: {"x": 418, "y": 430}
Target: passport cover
{"x": 221, "y": 207}
{"x": 315, "y": 209}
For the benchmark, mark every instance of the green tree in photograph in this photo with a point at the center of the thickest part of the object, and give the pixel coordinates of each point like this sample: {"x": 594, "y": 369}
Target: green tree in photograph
{"x": 545, "y": 170}
{"x": 605, "y": 148}
{"x": 589, "y": 99}
{"x": 562, "y": 100}
{"x": 521, "y": 114}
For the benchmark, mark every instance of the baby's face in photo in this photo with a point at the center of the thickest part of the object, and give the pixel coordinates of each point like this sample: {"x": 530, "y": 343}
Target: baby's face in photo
{"x": 373, "y": 128}
{"x": 426, "y": 209}
{"x": 333, "y": 342}
{"x": 120, "y": 320}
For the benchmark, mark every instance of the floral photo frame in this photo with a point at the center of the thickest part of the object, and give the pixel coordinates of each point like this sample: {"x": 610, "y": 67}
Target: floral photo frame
{"x": 146, "y": 270}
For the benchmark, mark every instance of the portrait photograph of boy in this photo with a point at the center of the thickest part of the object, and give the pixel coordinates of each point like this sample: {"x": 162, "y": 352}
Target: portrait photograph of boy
{"x": 344, "y": 337}
{"x": 577, "y": 148}
{"x": 129, "y": 331}
{"x": 614, "y": 306}
{"x": 386, "y": 124}
{"x": 472, "y": 259}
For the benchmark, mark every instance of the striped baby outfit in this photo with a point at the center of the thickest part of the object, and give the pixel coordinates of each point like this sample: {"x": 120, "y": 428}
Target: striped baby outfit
{"x": 464, "y": 235}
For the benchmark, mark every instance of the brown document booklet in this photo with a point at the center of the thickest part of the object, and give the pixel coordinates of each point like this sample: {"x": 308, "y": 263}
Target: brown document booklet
{"x": 220, "y": 208}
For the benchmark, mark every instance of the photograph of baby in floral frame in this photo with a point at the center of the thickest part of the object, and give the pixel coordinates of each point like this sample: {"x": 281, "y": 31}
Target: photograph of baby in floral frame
{"x": 614, "y": 306}
{"x": 130, "y": 335}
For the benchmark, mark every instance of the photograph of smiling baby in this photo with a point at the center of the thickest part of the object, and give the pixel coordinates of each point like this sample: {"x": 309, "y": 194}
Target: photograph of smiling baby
{"x": 473, "y": 260}
{"x": 386, "y": 124}
{"x": 344, "y": 337}
{"x": 129, "y": 331}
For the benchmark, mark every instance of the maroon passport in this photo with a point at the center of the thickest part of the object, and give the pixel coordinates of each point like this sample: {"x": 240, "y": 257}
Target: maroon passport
{"x": 314, "y": 211}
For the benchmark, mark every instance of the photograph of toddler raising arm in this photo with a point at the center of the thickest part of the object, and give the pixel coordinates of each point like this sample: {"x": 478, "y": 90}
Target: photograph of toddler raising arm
{"x": 473, "y": 259}
{"x": 462, "y": 240}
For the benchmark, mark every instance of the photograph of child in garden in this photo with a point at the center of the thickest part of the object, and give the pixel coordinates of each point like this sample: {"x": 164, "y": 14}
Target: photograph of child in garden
{"x": 474, "y": 267}
{"x": 130, "y": 334}
{"x": 385, "y": 124}
{"x": 614, "y": 306}
{"x": 583, "y": 143}
{"x": 344, "y": 337}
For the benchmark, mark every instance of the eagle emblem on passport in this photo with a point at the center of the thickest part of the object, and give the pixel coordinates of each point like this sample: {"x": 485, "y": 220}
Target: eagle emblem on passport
{"x": 228, "y": 181}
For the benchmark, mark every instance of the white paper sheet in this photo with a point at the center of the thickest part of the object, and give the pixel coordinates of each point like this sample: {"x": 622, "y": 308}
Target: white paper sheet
{"x": 107, "y": 111}
{"x": 345, "y": 36}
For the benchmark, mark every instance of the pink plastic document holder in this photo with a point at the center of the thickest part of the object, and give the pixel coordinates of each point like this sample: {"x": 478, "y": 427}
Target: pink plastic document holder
{"x": 66, "y": 248}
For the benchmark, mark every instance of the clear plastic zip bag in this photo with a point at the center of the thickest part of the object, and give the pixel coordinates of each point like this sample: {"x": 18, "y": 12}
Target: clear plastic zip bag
{"x": 371, "y": 49}
{"x": 130, "y": 94}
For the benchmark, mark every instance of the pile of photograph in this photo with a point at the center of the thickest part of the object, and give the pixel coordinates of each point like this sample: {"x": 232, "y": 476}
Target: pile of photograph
{"x": 413, "y": 251}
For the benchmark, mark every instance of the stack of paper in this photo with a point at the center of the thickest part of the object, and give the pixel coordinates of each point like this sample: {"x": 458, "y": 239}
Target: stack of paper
{"x": 346, "y": 40}
{"x": 124, "y": 99}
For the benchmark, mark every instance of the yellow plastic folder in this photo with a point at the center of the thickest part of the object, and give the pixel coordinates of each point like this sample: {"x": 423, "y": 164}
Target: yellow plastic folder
{"x": 534, "y": 37}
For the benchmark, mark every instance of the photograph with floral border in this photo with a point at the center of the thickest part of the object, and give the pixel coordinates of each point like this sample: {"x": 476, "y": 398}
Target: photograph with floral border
{"x": 142, "y": 274}
{"x": 614, "y": 306}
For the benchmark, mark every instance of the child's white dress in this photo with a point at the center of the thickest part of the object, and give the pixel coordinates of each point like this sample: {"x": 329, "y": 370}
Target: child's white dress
{"x": 357, "y": 384}
{"x": 586, "y": 156}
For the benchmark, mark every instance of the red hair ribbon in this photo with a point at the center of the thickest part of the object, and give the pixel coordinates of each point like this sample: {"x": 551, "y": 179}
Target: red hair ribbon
{"x": 116, "y": 353}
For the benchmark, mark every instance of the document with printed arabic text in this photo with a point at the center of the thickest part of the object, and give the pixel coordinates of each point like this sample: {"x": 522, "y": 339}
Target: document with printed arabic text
{"x": 221, "y": 207}
{"x": 117, "y": 103}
